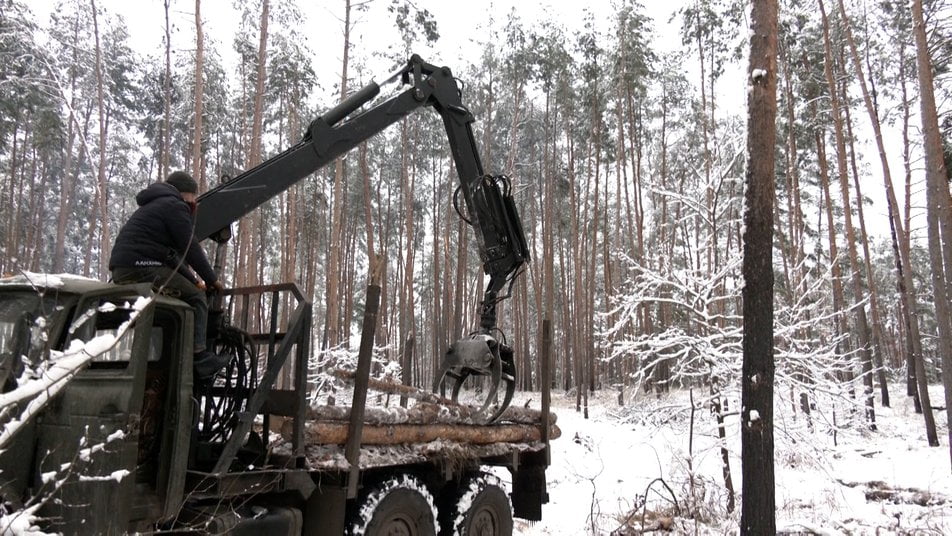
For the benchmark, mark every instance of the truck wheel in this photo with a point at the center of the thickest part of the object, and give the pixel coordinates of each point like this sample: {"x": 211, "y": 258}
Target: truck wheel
{"x": 400, "y": 506}
{"x": 481, "y": 509}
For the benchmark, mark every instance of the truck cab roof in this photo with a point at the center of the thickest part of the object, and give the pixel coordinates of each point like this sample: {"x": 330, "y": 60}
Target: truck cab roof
{"x": 67, "y": 284}
{"x": 70, "y": 283}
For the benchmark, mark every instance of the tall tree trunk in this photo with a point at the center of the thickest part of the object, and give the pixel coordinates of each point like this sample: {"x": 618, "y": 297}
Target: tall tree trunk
{"x": 11, "y": 203}
{"x": 166, "y": 134}
{"x": 862, "y": 323}
{"x": 896, "y": 224}
{"x": 894, "y": 219}
{"x": 917, "y": 381}
{"x": 758, "y": 505}
{"x": 939, "y": 212}
{"x": 877, "y": 329}
{"x": 198, "y": 169}
{"x": 407, "y": 301}
{"x": 67, "y": 187}
{"x": 590, "y": 346}
{"x": 548, "y": 228}
{"x": 334, "y": 261}
{"x": 249, "y": 229}
{"x": 837, "y": 281}
{"x": 368, "y": 208}
{"x": 105, "y": 242}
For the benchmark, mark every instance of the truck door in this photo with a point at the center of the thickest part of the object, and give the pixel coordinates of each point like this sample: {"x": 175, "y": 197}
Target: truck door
{"x": 166, "y": 415}
{"x": 88, "y": 438}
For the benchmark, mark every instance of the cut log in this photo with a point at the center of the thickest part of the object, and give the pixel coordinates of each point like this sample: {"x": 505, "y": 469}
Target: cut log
{"x": 396, "y": 388}
{"x": 877, "y": 490}
{"x": 336, "y": 433}
{"x": 428, "y": 401}
{"x": 425, "y": 413}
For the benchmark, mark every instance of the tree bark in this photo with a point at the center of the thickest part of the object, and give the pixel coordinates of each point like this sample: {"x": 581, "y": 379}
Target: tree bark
{"x": 198, "y": 170}
{"x": 862, "y": 323}
{"x": 423, "y": 413}
{"x": 838, "y": 308}
{"x": 896, "y": 223}
{"x": 246, "y": 269}
{"x": 758, "y": 504}
{"x": 397, "y": 388}
{"x": 877, "y": 329}
{"x": 67, "y": 188}
{"x": 105, "y": 242}
{"x": 335, "y": 260}
{"x": 166, "y": 134}
{"x": 407, "y": 294}
{"x": 323, "y": 433}
{"x": 939, "y": 212}
{"x": 917, "y": 382}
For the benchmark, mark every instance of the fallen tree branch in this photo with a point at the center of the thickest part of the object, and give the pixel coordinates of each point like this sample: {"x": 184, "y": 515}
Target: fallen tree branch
{"x": 877, "y": 490}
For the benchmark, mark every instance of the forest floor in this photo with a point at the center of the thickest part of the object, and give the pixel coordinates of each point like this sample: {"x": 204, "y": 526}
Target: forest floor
{"x": 884, "y": 482}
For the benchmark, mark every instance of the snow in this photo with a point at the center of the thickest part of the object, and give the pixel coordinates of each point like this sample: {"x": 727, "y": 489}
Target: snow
{"x": 22, "y": 522}
{"x": 754, "y": 417}
{"x": 42, "y": 280}
{"x": 99, "y": 344}
{"x": 604, "y": 467}
{"x": 55, "y": 373}
{"x": 370, "y": 504}
{"x": 115, "y": 475}
{"x": 466, "y": 499}
{"x": 757, "y": 74}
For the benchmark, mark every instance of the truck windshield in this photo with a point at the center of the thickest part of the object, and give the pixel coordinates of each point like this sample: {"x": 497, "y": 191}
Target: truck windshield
{"x": 25, "y": 318}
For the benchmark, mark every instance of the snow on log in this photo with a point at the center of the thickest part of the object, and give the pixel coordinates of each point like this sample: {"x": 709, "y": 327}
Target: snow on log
{"x": 336, "y": 433}
{"x": 425, "y": 413}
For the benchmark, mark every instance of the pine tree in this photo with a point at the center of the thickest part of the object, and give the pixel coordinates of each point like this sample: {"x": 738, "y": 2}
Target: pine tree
{"x": 758, "y": 508}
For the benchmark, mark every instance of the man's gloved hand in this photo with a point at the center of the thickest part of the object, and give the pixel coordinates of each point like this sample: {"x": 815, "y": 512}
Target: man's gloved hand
{"x": 218, "y": 286}
{"x": 201, "y": 285}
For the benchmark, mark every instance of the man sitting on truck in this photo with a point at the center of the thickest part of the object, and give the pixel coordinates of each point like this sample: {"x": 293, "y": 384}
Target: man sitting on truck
{"x": 156, "y": 245}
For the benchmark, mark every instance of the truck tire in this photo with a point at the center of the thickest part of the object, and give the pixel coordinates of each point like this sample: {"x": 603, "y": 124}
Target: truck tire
{"x": 400, "y": 506}
{"x": 481, "y": 508}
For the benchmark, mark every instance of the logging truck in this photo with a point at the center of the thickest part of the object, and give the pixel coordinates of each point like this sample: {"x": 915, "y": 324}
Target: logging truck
{"x": 124, "y": 438}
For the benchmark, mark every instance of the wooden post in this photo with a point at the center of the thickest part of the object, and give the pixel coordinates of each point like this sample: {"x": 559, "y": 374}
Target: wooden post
{"x": 352, "y": 448}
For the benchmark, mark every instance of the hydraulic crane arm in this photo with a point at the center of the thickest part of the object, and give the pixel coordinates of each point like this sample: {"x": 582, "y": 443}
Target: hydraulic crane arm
{"x": 327, "y": 138}
{"x": 489, "y": 206}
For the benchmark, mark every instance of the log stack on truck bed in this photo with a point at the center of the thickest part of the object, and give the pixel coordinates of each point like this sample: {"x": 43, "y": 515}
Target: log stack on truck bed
{"x": 432, "y": 427}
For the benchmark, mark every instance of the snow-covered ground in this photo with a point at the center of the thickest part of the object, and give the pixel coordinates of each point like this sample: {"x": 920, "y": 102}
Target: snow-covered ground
{"x": 604, "y": 466}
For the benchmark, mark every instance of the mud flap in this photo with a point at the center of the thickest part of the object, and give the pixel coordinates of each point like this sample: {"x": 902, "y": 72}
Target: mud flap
{"x": 528, "y": 487}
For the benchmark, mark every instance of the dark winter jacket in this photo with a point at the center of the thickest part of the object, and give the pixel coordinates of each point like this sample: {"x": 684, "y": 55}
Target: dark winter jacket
{"x": 160, "y": 233}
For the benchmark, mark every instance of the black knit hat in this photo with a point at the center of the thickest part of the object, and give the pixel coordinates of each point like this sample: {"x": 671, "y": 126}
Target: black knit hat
{"x": 183, "y": 182}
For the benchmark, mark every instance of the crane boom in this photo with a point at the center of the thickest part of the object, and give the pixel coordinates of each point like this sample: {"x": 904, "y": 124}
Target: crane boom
{"x": 490, "y": 209}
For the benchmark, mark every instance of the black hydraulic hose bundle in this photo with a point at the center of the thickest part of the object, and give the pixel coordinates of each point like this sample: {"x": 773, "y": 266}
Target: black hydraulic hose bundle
{"x": 229, "y": 392}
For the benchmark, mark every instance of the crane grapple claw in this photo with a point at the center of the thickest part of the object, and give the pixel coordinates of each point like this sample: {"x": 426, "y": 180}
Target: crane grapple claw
{"x": 480, "y": 355}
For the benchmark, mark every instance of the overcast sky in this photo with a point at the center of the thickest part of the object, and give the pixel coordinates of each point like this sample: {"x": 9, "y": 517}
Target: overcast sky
{"x": 460, "y": 24}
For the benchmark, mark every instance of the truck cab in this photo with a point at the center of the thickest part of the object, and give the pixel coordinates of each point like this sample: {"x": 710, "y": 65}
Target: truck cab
{"x": 118, "y": 431}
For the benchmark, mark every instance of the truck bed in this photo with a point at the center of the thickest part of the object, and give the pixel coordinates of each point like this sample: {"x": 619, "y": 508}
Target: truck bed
{"x": 331, "y": 457}
{"x": 424, "y": 432}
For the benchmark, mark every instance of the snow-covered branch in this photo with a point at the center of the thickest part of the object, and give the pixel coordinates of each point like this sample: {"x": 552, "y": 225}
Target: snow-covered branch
{"x": 39, "y": 385}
